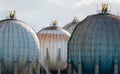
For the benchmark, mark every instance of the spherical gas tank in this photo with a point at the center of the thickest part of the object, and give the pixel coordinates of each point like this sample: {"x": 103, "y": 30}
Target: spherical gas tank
{"x": 95, "y": 44}
{"x": 71, "y": 26}
{"x": 53, "y": 44}
{"x": 18, "y": 43}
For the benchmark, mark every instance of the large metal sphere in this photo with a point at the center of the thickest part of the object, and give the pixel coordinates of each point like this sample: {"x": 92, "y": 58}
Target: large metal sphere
{"x": 96, "y": 41}
{"x": 18, "y": 43}
{"x": 55, "y": 39}
{"x": 71, "y": 26}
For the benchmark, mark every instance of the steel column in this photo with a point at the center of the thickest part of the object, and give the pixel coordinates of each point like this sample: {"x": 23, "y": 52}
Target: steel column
{"x": 69, "y": 68}
{"x": 59, "y": 70}
{"x": 15, "y": 67}
{"x": 47, "y": 72}
{"x": 59, "y": 60}
{"x": 0, "y": 67}
{"x": 30, "y": 67}
{"x": 47, "y": 61}
{"x": 38, "y": 68}
{"x": 42, "y": 71}
{"x": 79, "y": 68}
{"x": 96, "y": 68}
{"x": 115, "y": 68}
{"x": 73, "y": 71}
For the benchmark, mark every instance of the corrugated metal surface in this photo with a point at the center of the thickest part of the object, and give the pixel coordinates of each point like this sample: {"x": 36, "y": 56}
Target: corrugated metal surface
{"x": 55, "y": 39}
{"x": 70, "y": 27}
{"x": 96, "y": 40}
{"x": 18, "y": 42}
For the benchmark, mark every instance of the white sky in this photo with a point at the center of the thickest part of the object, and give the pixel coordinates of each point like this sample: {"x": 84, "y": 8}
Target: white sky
{"x": 39, "y": 13}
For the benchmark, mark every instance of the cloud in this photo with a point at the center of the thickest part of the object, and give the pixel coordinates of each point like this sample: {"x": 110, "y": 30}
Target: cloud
{"x": 64, "y": 2}
{"x": 80, "y": 2}
{"x": 39, "y": 13}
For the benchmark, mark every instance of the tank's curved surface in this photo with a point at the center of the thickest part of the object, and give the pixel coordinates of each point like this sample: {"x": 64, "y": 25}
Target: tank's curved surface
{"x": 96, "y": 41}
{"x": 55, "y": 39}
{"x": 70, "y": 27}
{"x": 18, "y": 43}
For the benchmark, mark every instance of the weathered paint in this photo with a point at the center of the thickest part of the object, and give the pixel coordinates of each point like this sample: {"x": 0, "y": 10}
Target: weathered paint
{"x": 96, "y": 40}
{"x": 53, "y": 44}
{"x": 71, "y": 26}
{"x": 18, "y": 42}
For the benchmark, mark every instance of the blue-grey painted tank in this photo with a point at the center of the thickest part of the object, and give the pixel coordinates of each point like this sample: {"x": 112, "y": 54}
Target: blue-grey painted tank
{"x": 18, "y": 42}
{"x": 71, "y": 26}
{"x": 96, "y": 40}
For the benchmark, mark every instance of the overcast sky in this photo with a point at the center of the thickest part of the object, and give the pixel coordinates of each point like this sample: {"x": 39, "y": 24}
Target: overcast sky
{"x": 39, "y": 13}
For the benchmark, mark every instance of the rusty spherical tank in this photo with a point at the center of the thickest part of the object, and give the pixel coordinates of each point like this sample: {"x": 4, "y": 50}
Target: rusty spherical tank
{"x": 95, "y": 45}
{"x": 53, "y": 44}
{"x": 18, "y": 43}
{"x": 71, "y": 26}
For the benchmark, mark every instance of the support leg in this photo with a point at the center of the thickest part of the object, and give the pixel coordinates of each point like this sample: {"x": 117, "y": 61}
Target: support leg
{"x": 96, "y": 68}
{"x": 59, "y": 69}
{"x": 47, "y": 61}
{"x": 38, "y": 68}
{"x": 0, "y": 67}
{"x": 115, "y": 68}
{"x": 74, "y": 72}
{"x": 59, "y": 60}
{"x": 15, "y": 67}
{"x": 69, "y": 68}
{"x": 42, "y": 70}
{"x": 79, "y": 68}
{"x": 30, "y": 67}
{"x": 47, "y": 70}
